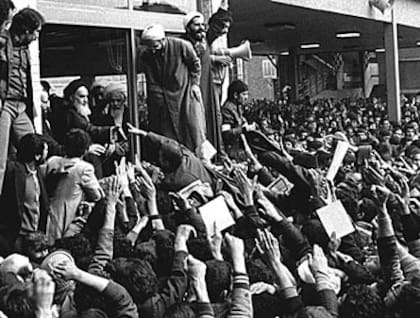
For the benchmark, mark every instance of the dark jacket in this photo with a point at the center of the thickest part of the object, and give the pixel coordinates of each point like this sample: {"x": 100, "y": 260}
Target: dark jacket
{"x": 299, "y": 198}
{"x": 232, "y": 121}
{"x": 190, "y": 168}
{"x": 6, "y": 56}
{"x": 173, "y": 111}
{"x": 12, "y": 205}
{"x": 99, "y": 134}
{"x": 211, "y": 104}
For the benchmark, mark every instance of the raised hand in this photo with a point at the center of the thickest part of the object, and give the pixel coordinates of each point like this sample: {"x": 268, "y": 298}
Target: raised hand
{"x": 255, "y": 165}
{"x": 136, "y": 131}
{"x": 42, "y": 291}
{"x": 184, "y": 231}
{"x": 224, "y": 60}
{"x": 334, "y": 244}
{"x": 317, "y": 261}
{"x": 197, "y": 273}
{"x": 96, "y": 149}
{"x": 230, "y": 202}
{"x": 66, "y": 270}
{"x": 262, "y": 287}
{"x": 196, "y": 268}
{"x": 245, "y": 185}
{"x": 180, "y": 202}
{"x": 404, "y": 198}
{"x": 135, "y": 231}
{"x": 382, "y": 195}
{"x": 121, "y": 172}
{"x": 145, "y": 184}
{"x": 113, "y": 190}
{"x": 131, "y": 174}
{"x": 236, "y": 249}
{"x": 268, "y": 245}
{"x": 215, "y": 242}
{"x": 268, "y": 210}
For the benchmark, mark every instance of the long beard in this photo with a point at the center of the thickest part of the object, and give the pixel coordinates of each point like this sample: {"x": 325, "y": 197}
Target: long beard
{"x": 84, "y": 110}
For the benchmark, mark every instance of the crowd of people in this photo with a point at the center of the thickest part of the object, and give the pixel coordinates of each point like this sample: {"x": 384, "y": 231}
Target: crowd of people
{"x": 88, "y": 231}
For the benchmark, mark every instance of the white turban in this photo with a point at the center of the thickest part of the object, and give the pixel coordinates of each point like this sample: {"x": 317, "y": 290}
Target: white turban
{"x": 190, "y": 16}
{"x": 153, "y": 32}
{"x": 115, "y": 88}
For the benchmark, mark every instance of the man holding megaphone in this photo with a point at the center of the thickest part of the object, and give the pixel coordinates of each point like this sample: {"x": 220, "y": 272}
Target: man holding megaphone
{"x": 221, "y": 58}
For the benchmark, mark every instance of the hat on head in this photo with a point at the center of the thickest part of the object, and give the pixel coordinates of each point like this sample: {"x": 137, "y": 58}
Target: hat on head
{"x": 72, "y": 87}
{"x": 153, "y": 32}
{"x": 115, "y": 88}
{"x": 190, "y": 16}
{"x": 237, "y": 86}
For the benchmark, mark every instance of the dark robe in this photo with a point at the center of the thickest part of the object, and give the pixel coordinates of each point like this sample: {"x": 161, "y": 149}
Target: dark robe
{"x": 211, "y": 98}
{"x": 173, "y": 110}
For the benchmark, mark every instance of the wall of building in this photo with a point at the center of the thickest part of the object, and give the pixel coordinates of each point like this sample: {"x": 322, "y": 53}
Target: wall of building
{"x": 259, "y": 87}
{"x": 409, "y": 70}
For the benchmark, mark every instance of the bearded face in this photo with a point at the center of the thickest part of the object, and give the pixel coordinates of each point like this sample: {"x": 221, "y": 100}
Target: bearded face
{"x": 80, "y": 100}
{"x": 197, "y": 29}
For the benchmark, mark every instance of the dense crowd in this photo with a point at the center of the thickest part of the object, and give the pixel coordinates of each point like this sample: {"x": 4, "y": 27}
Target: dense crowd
{"x": 85, "y": 231}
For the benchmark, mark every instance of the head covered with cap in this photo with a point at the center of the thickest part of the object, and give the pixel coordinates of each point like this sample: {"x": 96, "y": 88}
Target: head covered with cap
{"x": 191, "y": 16}
{"x": 116, "y": 96}
{"x": 153, "y": 32}
{"x": 115, "y": 88}
{"x": 236, "y": 87}
{"x": 153, "y": 37}
{"x": 195, "y": 26}
{"x": 72, "y": 87}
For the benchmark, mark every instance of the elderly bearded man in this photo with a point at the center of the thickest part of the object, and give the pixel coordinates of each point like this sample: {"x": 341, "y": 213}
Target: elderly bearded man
{"x": 173, "y": 72}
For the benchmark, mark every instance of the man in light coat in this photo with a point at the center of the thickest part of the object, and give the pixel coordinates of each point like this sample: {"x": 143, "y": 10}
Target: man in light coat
{"x": 73, "y": 180}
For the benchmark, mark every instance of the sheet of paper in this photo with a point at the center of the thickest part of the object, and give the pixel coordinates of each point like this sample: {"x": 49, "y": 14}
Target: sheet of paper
{"x": 334, "y": 218}
{"x": 186, "y": 191}
{"x": 339, "y": 154}
{"x": 207, "y": 150}
{"x": 216, "y": 212}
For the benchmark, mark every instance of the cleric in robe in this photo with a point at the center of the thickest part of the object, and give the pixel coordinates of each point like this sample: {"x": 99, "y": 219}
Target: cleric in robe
{"x": 202, "y": 36}
{"x": 174, "y": 101}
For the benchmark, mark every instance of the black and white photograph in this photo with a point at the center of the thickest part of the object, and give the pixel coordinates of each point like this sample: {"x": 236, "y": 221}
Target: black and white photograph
{"x": 209, "y": 159}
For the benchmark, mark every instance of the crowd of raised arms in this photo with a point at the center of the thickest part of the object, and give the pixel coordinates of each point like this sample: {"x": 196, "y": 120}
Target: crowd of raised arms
{"x": 88, "y": 231}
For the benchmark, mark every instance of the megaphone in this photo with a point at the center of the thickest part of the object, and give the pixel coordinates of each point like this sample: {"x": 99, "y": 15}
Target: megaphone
{"x": 381, "y": 5}
{"x": 242, "y": 51}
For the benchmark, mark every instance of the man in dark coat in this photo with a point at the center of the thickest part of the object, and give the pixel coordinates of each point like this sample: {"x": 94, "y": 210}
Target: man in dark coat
{"x": 173, "y": 71}
{"x": 201, "y": 39}
{"x": 180, "y": 166}
{"x": 234, "y": 122}
{"x": 24, "y": 202}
